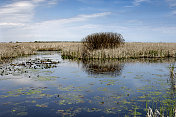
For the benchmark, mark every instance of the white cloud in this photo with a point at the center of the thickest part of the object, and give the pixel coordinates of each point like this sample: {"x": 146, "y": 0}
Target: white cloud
{"x": 37, "y": 1}
{"x": 18, "y": 12}
{"x": 174, "y": 12}
{"x": 21, "y": 11}
{"x": 138, "y": 2}
{"x": 165, "y": 30}
{"x": 11, "y": 24}
{"x": 56, "y": 31}
{"x": 52, "y": 2}
{"x": 172, "y": 3}
{"x": 74, "y": 19}
{"x": 60, "y": 29}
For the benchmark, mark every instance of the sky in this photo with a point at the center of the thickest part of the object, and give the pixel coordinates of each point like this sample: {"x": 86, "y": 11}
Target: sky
{"x": 72, "y": 20}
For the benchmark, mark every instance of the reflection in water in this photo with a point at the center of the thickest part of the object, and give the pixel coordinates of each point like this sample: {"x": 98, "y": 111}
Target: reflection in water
{"x": 173, "y": 83}
{"x": 105, "y": 67}
{"x": 66, "y": 90}
{"x": 172, "y": 93}
{"x": 172, "y": 77}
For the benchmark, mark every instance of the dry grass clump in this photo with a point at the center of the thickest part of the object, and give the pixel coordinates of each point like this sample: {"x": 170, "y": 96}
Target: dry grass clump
{"x": 102, "y": 40}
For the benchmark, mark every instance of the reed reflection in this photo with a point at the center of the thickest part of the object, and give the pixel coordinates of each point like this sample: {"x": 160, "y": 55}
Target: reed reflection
{"x": 105, "y": 67}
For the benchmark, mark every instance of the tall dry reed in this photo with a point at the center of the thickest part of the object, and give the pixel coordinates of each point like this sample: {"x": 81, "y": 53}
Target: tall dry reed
{"x": 12, "y": 50}
{"x": 74, "y": 50}
{"x": 128, "y": 50}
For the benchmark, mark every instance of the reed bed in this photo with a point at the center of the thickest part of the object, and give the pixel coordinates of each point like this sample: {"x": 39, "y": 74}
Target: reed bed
{"x": 128, "y": 50}
{"x": 12, "y": 50}
{"x": 74, "y": 50}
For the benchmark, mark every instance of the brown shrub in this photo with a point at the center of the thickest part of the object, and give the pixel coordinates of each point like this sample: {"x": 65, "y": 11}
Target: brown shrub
{"x": 103, "y": 40}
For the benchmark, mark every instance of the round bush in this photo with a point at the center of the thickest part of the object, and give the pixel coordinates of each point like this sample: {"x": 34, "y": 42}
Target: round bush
{"x": 102, "y": 40}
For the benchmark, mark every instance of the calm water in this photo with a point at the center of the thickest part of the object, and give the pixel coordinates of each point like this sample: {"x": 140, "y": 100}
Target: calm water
{"x": 39, "y": 86}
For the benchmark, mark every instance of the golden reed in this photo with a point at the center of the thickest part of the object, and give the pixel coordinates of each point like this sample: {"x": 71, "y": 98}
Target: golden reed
{"x": 128, "y": 50}
{"x": 74, "y": 50}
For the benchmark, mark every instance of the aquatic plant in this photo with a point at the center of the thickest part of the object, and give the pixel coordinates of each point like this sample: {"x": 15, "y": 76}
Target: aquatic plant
{"x": 30, "y": 65}
{"x": 156, "y": 113}
{"x": 172, "y": 70}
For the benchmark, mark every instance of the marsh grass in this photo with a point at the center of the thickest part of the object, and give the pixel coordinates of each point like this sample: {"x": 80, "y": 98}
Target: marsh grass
{"x": 73, "y": 50}
{"x": 12, "y": 50}
{"x": 128, "y": 50}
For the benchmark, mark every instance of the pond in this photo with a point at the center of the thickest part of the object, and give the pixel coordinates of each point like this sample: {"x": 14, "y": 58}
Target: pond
{"x": 48, "y": 86}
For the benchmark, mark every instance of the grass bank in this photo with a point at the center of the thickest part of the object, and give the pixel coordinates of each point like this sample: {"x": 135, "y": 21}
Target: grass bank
{"x": 74, "y": 50}
{"x": 128, "y": 50}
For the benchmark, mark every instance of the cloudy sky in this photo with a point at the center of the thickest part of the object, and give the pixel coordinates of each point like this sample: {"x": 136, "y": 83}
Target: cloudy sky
{"x": 72, "y": 20}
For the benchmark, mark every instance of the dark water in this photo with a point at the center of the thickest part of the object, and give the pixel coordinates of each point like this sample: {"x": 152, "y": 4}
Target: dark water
{"x": 39, "y": 86}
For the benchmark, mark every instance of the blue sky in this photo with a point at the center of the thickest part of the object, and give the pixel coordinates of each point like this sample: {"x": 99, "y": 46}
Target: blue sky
{"x": 72, "y": 20}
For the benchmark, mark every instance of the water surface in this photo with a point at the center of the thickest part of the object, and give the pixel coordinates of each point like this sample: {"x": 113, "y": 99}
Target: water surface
{"x": 38, "y": 85}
